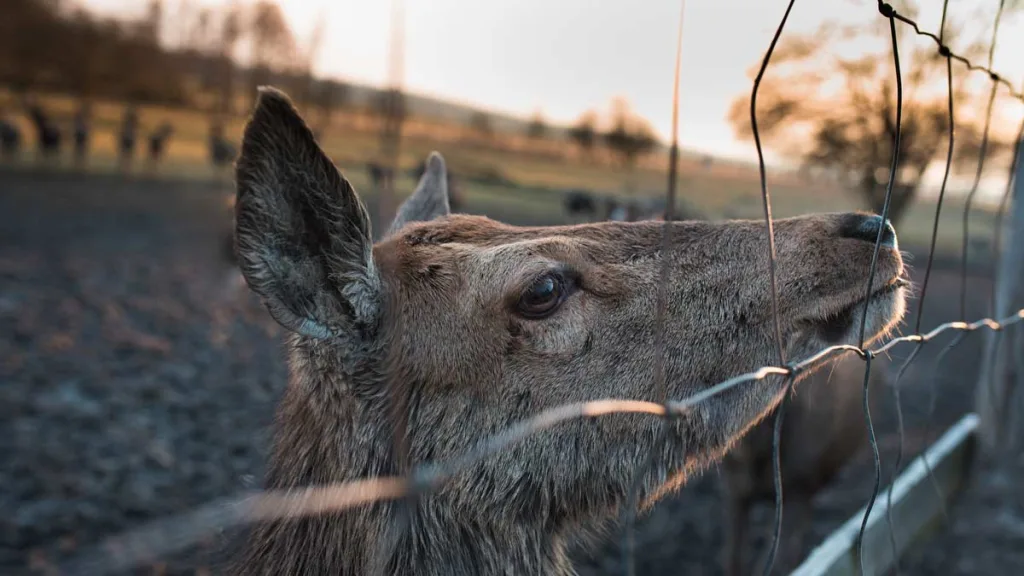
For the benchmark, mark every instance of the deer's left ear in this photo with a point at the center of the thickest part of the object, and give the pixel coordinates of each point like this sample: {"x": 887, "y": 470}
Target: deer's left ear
{"x": 429, "y": 200}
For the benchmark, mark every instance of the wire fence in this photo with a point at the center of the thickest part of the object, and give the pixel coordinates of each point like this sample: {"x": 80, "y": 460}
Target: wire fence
{"x": 165, "y": 537}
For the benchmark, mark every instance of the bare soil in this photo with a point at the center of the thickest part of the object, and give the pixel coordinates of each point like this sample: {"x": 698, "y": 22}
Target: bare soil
{"x": 138, "y": 378}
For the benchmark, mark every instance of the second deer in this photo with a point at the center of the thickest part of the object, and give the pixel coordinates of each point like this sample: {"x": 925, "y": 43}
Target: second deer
{"x": 822, "y": 430}
{"x": 478, "y": 325}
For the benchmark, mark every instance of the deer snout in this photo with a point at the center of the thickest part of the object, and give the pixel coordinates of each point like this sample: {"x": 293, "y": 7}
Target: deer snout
{"x": 867, "y": 227}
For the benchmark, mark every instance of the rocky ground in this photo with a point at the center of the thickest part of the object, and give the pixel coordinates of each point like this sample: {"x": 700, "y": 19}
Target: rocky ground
{"x": 138, "y": 377}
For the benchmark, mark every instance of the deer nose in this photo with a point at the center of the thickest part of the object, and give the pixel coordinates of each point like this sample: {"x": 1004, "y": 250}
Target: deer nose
{"x": 867, "y": 227}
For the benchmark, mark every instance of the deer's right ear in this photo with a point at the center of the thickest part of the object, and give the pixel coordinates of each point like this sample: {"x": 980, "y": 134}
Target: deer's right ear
{"x": 429, "y": 200}
{"x": 302, "y": 233}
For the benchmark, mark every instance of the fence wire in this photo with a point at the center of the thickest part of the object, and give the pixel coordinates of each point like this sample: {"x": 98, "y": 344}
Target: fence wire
{"x": 167, "y": 536}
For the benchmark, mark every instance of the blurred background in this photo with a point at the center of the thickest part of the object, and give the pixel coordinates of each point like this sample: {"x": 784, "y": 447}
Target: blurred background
{"x": 138, "y": 374}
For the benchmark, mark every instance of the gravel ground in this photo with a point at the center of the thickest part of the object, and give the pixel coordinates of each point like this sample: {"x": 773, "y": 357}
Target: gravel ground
{"x": 139, "y": 377}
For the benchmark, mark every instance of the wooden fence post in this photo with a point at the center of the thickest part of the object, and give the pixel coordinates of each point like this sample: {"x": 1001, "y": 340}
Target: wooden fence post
{"x": 1001, "y": 380}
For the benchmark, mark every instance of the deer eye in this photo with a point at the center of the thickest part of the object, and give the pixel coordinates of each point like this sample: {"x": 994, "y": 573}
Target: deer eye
{"x": 543, "y": 297}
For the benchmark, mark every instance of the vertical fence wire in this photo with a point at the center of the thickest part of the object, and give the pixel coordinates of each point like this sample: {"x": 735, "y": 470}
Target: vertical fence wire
{"x": 777, "y": 323}
{"x": 897, "y": 401}
{"x": 968, "y": 204}
{"x": 664, "y": 274}
{"x": 403, "y": 511}
{"x": 886, "y": 11}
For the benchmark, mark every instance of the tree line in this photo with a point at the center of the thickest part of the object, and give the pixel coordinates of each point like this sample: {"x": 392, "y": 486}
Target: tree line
{"x": 185, "y": 59}
{"x": 190, "y": 58}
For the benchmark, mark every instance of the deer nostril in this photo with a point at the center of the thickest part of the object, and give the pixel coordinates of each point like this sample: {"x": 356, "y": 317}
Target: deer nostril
{"x": 863, "y": 227}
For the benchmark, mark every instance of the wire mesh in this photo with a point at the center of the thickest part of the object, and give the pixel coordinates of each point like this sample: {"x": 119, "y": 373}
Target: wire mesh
{"x": 166, "y": 536}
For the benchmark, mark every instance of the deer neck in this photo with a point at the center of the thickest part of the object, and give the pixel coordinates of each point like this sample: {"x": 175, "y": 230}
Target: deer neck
{"x": 327, "y": 434}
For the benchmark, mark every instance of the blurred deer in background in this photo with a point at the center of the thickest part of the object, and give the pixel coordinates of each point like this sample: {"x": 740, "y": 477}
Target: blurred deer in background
{"x": 822, "y": 430}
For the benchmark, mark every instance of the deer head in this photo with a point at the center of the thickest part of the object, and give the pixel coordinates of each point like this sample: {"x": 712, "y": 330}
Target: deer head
{"x": 482, "y": 325}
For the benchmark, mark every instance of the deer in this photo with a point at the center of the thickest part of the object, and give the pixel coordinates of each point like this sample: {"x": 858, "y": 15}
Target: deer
{"x": 10, "y": 137}
{"x": 48, "y": 132}
{"x": 81, "y": 127}
{"x": 477, "y": 325}
{"x": 222, "y": 151}
{"x": 158, "y": 142}
{"x": 128, "y": 135}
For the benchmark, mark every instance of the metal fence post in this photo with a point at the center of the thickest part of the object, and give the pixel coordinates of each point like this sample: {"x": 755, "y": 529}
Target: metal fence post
{"x": 999, "y": 383}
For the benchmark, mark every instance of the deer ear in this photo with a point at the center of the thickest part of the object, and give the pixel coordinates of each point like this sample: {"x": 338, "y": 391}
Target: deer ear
{"x": 302, "y": 233}
{"x": 429, "y": 200}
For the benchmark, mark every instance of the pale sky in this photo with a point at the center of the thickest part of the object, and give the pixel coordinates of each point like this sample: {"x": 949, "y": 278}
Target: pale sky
{"x": 565, "y": 56}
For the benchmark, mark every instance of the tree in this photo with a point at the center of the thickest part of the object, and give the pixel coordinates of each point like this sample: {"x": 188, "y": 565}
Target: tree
{"x": 391, "y": 104}
{"x": 837, "y": 112}
{"x": 584, "y": 132}
{"x": 630, "y": 136}
{"x": 537, "y": 128}
{"x": 230, "y": 33}
{"x": 305, "y": 88}
{"x": 272, "y": 42}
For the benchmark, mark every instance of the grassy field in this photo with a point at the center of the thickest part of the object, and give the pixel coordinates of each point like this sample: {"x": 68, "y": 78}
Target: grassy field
{"x": 506, "y": 177}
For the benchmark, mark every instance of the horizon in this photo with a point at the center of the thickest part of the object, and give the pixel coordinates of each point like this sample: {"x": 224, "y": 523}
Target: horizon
{"x": 523, "y": 68}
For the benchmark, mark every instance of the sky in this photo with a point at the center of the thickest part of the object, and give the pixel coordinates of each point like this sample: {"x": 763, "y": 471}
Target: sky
{"x": 562, "y": 57}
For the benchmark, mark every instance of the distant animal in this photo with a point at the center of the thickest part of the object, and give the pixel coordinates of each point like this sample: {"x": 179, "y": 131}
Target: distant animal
{"x": 158, "y": 141}
{"x": 465, "y": 326}
{"x": 622, "y": 211}
{"x": 128, "y": 135}
{"x": 10, "y": 138}
{"x": 222, "y": 152}
{"x": 377, "y": 173}
{"x": 47, "y": 131}
{"x": 80, "y": 131}
{"x": 580, "y": 202}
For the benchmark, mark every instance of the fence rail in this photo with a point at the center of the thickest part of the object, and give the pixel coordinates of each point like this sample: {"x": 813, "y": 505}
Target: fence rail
{"x": 915, "y": 510}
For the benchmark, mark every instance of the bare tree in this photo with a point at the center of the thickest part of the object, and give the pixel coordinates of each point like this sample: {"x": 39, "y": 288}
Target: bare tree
{"x": 230, "y": 34}
{"x": 630, "y": 136}
{"x": 390, "y": 104}
{"x": 305, "y": 92}
{"x": 584, "y": 132}
{"x": 837, "y": 113}
{"x": 538, "y": 127}
{"x": 272, "y": 42}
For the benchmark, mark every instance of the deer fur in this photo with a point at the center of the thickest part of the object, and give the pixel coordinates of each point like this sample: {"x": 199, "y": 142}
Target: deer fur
{"x": 443, "y": 312}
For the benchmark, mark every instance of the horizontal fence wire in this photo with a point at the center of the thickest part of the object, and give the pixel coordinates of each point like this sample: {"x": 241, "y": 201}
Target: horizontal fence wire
{"x": 167, "y": 536}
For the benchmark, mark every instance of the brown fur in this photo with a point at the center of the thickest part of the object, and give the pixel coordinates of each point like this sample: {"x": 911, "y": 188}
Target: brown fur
{"x": 433, "y": 311}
